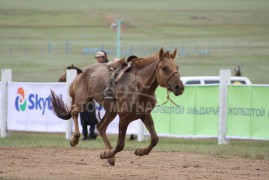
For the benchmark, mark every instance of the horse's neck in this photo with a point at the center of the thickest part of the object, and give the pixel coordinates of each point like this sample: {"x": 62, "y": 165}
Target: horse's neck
{"x": 150, "y": 84}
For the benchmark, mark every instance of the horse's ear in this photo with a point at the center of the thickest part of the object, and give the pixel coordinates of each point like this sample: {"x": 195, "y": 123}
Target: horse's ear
{"x": 161, "y": 52}
{"x": 72, "y": 65}
{"x": 174, "y": 55}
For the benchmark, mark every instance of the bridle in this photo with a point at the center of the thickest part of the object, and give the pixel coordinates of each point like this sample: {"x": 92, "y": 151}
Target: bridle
{"x": 167, "y": 87}
{"x": 167, "y": 79}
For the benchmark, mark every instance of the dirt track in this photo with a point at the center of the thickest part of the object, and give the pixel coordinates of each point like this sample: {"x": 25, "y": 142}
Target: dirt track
{"x": 73, "y": 163}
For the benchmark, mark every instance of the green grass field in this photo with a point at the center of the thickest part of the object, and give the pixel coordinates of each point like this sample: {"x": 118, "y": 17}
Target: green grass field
{"x": 242, "y": 148}
{"x": 234, "y": 32}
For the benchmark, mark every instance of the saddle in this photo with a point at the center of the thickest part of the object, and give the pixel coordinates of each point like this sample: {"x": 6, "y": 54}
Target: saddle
{"x": 117, "y": 70}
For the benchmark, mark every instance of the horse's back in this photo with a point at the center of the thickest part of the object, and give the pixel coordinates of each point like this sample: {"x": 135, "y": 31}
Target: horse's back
{"x": 91, "y": 83}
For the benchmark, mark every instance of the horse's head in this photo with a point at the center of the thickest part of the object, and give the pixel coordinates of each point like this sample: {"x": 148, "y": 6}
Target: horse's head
{"x": 79, "y": 71}
{"x": 63, "y": 77}
{"x": 168, "y": 72}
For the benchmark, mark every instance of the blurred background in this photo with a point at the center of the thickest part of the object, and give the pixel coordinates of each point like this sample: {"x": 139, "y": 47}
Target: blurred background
{"x": 38, "y": 38}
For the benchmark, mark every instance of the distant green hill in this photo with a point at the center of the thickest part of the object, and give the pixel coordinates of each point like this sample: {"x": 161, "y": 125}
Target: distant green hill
{"x": 210, "y": 34}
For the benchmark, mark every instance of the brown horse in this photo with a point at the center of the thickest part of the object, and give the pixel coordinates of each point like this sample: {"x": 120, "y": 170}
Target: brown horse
{"x": 134, "y": 97}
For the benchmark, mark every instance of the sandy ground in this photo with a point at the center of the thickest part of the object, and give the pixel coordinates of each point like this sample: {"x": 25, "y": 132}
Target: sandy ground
{"x": 73, "y": 163}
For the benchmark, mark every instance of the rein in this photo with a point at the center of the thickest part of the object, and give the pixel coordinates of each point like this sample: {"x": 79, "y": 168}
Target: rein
{"x": 167, "y": 99}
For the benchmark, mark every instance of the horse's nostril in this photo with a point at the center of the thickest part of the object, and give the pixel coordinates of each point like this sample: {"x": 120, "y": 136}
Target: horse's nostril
{"x": 177, "y": 87}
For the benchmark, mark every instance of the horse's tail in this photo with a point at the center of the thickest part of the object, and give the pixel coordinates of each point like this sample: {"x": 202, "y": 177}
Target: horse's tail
{"x": 58, "y": 107}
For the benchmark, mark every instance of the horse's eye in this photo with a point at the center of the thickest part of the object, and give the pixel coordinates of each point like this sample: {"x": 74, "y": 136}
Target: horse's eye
{"x": 164, "y": 68}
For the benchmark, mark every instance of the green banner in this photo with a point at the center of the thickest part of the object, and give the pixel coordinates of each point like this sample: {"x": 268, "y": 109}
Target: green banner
{"x": 248, "y": 112}
{"x": 197, "y": 115}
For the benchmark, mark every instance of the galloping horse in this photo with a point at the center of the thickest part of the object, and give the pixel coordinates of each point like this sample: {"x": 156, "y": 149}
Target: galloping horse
{"x": 134, "y": 97}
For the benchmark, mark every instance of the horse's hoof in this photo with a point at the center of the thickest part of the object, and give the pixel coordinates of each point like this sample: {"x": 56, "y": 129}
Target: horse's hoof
{"x": 111, "y": 161}
{"x": 73, "y": 143}
{"x": 106, "y": 154}
{"x": 139, "y": 152}
{"x": 102, "y": 155}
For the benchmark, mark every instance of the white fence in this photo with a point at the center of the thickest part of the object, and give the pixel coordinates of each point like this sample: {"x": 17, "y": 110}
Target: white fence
{"x": 26, "y": 107}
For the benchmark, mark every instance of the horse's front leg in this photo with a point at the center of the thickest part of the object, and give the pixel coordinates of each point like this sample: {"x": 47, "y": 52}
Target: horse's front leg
{"x": 123, "y": 124}
{"x": 102, "y": 126}
{"x": 148, "y": 121}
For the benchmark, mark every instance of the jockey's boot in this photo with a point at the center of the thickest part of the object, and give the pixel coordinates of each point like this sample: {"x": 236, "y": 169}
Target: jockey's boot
{"x": 85, "y": 137}
{"x": 132, "y": 137}
{"x": 92, "y": 134}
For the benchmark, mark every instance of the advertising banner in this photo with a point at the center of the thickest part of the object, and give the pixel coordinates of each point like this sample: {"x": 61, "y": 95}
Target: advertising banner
{"x": 198, "y": 112}
{"x": 196, "y": 115}
{"x": 29, "y": 107}
{"x": 248, "y": 112}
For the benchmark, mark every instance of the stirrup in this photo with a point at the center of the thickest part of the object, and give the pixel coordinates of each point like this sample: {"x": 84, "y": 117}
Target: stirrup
{"x": 109, "y": 94}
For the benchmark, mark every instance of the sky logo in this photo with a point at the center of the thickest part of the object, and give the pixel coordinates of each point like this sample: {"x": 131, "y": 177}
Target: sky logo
{"x": 20, "y": 102}
{"x": 33, "y": 101}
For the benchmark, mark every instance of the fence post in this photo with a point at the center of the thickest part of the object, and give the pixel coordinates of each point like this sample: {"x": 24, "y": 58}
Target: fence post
{"x": 71, "y": 74}
{"x": 140, "y": 131}
{"x": 225, "y": 79}
{"x": 6, "y": 76}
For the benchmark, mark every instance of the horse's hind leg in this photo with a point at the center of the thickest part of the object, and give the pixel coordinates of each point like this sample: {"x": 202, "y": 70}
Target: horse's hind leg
{"x": 121, "y": 138}
{"x": 75, "y": 139}
{"x": 102, "y": 126}
{"x": 148, "y": 121}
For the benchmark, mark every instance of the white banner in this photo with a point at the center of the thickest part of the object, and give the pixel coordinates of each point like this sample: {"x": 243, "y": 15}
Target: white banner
{"x": 29, "y": 107}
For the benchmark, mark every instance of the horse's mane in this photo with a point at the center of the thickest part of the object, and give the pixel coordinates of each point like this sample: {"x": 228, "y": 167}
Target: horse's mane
{"x": 79, "y": 71}
{"x": 143, "y": 62}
